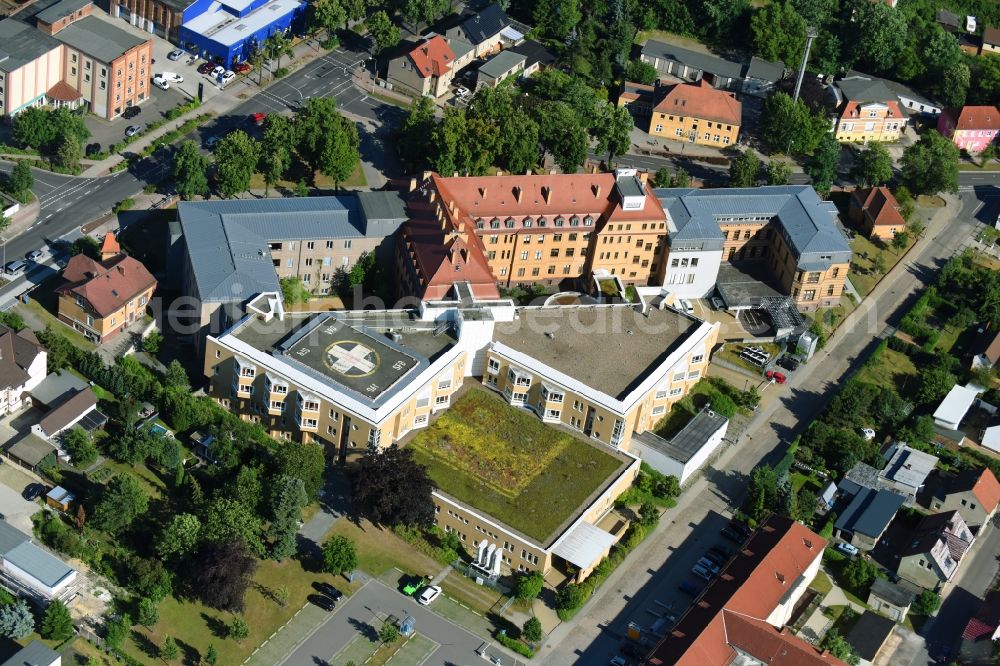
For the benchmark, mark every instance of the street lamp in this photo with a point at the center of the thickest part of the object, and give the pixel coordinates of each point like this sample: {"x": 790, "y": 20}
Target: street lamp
{"x": 811, "y": 34}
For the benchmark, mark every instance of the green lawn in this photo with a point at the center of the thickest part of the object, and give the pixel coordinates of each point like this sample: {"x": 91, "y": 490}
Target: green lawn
{"x": 506, "y": 462}
{"x": 38, "y": 315}
{"x": 356, "y": 179}
{"x": 821, "y": 583}
{"x": 865, "y": 250}
{"x": 381, "y": 550}
{"x": 894, "y": 371}
{"x": 731, "y": 353}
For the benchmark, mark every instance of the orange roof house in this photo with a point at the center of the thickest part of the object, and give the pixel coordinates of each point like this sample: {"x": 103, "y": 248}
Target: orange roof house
{"x": 877, "y": 212}
{"x": 697, "y": 113}
{"x": 426, "y": 69}
{"x": 746, "y": 607}
{"x": 99, "y": 299}
{"x": 433, "y": 57}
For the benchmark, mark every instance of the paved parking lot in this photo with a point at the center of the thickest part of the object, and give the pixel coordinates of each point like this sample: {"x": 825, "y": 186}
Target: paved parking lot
{"x": 16, "y": 510}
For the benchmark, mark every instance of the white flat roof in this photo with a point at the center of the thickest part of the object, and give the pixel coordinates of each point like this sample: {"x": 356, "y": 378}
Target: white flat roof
{"x": 991, "y": 438}
{"x": 224, "y": 28}
{"x": 955, "y": 405}
{"x": 584, "y": 545}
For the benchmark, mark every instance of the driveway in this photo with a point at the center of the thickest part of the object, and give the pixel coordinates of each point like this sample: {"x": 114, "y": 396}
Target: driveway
{"x": 16, "y": 510}
{"x": 363, "y": 613}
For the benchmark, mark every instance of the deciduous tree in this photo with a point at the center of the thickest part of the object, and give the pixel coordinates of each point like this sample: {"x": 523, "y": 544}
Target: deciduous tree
{"x": 822, "y": 167}
{"x": 339, "y": 555}
{"x": 190, "y": 170}
{"x": 744, "y": 169}
{"x": 236, "y": 159}
{"x": 147, "y": 612}
{"x": 562, "y": 134}
{"x": 69, "y": 151}
{"x": 239, "y": 630}
{"x": 778, "y": 172}
{"x": 642, "y": 72}
{"x": 228, "y": 520}
{"x": 391, "y": 489}
{"x": 787, "y": 126}
{"x": 531, "y": 630}
{"x": 121, "y": 502}
{"x": 872, "y": 166}
{"x": 931, "y": 164}
{"x": 80, "y": 447}
{"x": 21, "y": 180}
{"x": 384, "y": 32}
{"x": 556, "y": 18}
{"x": 302, "y": 460}
{"x": 779, "y": 33}
{"x": 223, "y": 573}
{"x": 527, "y": 586}
{"x": 419, "y": 12}
{"x": 179, "y": 536}
{"x": 326, "y": 140}
{"x": 614, "y": 135}
{"x": 276, "y": 146}
{"x": 879, "y": 34}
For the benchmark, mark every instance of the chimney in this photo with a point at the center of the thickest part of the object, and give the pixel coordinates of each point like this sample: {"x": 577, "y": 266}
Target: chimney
{"x": 499, "y": 172}
{"x": 553, "y": 172}
{"x": 596, "y": 188}
{"x": 517, "y": 193}
{"x": 643, "y": 177}
{"x": 547, "y": 194}
{"x": 454, "y": 208}
{"x": 454, "y": 174}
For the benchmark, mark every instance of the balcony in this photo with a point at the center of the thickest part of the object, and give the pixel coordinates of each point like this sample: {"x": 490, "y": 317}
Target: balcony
{"x": 308, "y": 403}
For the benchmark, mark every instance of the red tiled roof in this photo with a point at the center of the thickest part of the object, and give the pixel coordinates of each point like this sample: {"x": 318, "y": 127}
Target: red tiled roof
{"x": 63, "y": 92}
{"x": 110, "y": 245}
{"x": 975, "y": 117}
{"x": 753, "y": 584}
{"x": 772, "y": 646}
{"x": 987, "y": 490}
{"x": 881, "y": 206}
{"x": 107, "y": 286}
{"x": 432, "y": 57}
{"x": 850, "y": 110}
{"x": 700, "y": 100}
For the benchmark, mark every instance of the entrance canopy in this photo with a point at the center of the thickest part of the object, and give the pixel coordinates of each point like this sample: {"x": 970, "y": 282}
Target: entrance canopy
{"x": 584, "y": 545}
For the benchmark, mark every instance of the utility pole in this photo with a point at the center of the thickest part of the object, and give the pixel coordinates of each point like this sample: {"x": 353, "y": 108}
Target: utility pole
{"x": 811, "y": 34}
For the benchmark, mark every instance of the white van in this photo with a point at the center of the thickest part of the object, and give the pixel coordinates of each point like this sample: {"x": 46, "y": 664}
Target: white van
{"x": 15, "y": 268}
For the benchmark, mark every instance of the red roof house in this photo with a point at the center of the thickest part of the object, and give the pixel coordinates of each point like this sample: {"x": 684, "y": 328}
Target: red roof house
{"x": 426, "y": 69}
{"x": 99, "y": 299}
{"x": 971, "y": 128}
{"x": 877, "y": 212}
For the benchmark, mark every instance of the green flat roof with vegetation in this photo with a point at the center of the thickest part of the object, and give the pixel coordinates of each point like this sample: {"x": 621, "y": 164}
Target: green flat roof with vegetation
{"x": 506, "y": 463}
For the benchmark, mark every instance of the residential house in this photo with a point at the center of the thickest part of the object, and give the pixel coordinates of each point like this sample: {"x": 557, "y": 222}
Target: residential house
{"x": 971, "y": 128}
{"x": 911, "y": 101}
{"x": 866, "y": 110}
{"x": 536, "y": 56}
{"x": 876, "y": 212}
{"x": 100, "y": 299}
{"x": 426, "y": 69}
{"x": 489, "y": 30}
{"x": 228, "y": 31}
{"x": 986, "y": 349}
{"x": 232, "y": 251}
{"x": 677, "y": 61}
{"x": 906, "y": 470}
{"x": 741, "y": 615}
{"x": 32, "y": 571}
{"x": 22, "y": 368}
{"x": 869, "y": 636}
{"x": 939, "y": 543}
{"x": 697, "y": 113}
{"x": 991, "y": 41}
{"x": 499, "y": 68}
{"x": 687, "y": 451}
{"x": 867, "y": 516}
{"x": 974, "y": 492}
{"x": 80, "y": 409}
{"x": 35, "y": 653}
{"x": 761, "y": 76}
{"x": 891, "y": 599}
{"x": 978, "y": 647}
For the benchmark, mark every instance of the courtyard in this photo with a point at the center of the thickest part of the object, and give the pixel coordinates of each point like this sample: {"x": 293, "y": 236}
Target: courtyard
{"x": 505, "y": 462}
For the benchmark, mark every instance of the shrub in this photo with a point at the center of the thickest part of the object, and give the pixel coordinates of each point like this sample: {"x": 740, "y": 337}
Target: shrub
{"x": 927, "y": 603}
{"x": 515, "y": 645}
{"x": 123, "y": 205}
{"x": 281, "y": 72}
{"x": 528, "y": 586}
{"x": 532, "y": 630}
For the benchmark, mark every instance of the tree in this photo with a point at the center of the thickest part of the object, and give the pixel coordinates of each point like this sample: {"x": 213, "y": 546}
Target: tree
{"x": 763, "y": 492}
{"x": 839, "y": 647}
{"x": 179, "y": 536}
{"x": 778, "y": 172}
{"x": 88, "y": 247}
{"x": 926, "y": 603}
{"x": 326, "y": 140}
{"x": 557, "y": 18}
{"x": 931, "y": 164}
{"x": 935, "y": 382}
{"x": 744, "y": 169}
{"x": 302, "y": 460}
{"x": 277, "y": 46}
{"x": 680, "y": 178}
{"x": 878, "y": 264}
{"x": 152, "y": 342}
{"x": 419, "y": 12}
{"x": 169, "y": 650}
{"x": 32, "y": 128}
{"x": 339, "y": 555}
{"x": 859, "y": 574}
{"x": 822, "y": 167}
{"x": 642, "y": 72}
{"x": 413, "y": 139}
{"x": 236, "y": 159}
{"x": 900, "y": 240}
{"x": 531, "y": 631}
{"x": 384, "y": 32}
{"x": 518, "y": 142}
{"x": 285, "y": 516}
{"x": 879, "y": 35}
{"x": 527, "y": 586}
{"x": 80, "y": 447}
{"x": 276, "y": 148}
{"x": 872, "y": 166}
{"x": 223, "y": 573}
{"x": 463, "y": 144}
{"x": 388, "y": 632}
{"x": 57, "y": 624}
{"x": 562, "y": 134}
{"x": 648, "y": 514}
{"x": 122, "y": 502}
{"x": 293, "y": 290}
{"x": 190, "y": 170}
{"x": 21, "y": 180}
{"x": 176, "y": 376}
{"x": 391, "y": 489}
{"x": 211, "y": 655}
{"x": 16, "y": 620}
{"x": 228, "y": 519}
{"x": 117, "y": 630}
{"x": 329, "y": 15}
{"x": 239, "y": 630}
{"x": 778, "y": 32}
{"x": 614, "y": 135}
{"x": 149, "y": 577}
{"x": 69, "y": 152}
{"x": 148, "y": 614}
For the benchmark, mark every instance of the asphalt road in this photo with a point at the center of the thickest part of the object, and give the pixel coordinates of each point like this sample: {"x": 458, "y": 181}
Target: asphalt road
{"x": 363, "y": 613}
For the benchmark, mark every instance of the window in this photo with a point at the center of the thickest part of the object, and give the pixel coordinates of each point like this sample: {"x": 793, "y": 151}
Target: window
{"x": 310, "y": 245}
{"x": 679, "y": 132}
{"x": 660, "y": 395}
{"x": 538, "y": 255}
{"x": 552, "y": 413}
{"x": 659, "y": 410}
{"x": 493, "y": 366}
{"x": 698, "y": 358}
{"x": 277, "y": 406}
{"x": 524, "y": 256}
{"x": 676, "y": 391}
{"x": 347, "y": 244}
{"x": 694, "y": 374}
{"x": 444, "y": 384}
{"x": 659, "y": 128}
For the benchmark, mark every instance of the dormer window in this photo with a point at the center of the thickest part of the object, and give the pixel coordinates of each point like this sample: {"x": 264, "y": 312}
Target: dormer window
{"x": 480, "y": 224}
{"x": 559, "y": 221}
{"x": 527, "y": 222}
{"x": 542, "y": 221}
{"x": 588, "y": 221}
{"x": 574, "y": 221}
{"x": 494, "y": 223}
{"x": 509, "y": 223}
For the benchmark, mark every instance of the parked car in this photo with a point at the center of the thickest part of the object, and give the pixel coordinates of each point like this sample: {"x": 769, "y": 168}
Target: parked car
{"x": 461, "y": 91}
{"x": 33, "y": 491}
{"x": 741, "y": 527}
{"x": 718, "y": 303}
{"x": 708, "y": 565}
{"x": 701, "y": 572}
{"x": 132, "y": 130}
{"x": 34, "y": 255}
{"x": 258, "y": 118}
{"x": 789, "y": 363}
{"x": 634, "y": 650}
{"x": 130, "y": 112}
{"x": 15, "y": 268}
{"x": 176, "y": 54}
{"x": 721, "y": 551}
{"x": 775, "y": 376}
{"x": 242, "y": 67}
{"x": 322, "y": 602}
{"x": 430, "y": 593}
{"x": 172, "y": 77}
{"x": 715, "y": 558}
{"x": 161, "y": 82}
{"x": 205, "y": 68}
{"x": 330, "y": 591}
{"x": 227, "y": 77}
{"x": 618, "y": 660}
{"x": 732, "y": 535}
{"x": 847, "y": 549}
{"x": 212, "y": 141}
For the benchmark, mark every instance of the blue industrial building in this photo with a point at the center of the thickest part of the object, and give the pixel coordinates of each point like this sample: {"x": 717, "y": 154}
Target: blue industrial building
{"x": 227, "y": 31}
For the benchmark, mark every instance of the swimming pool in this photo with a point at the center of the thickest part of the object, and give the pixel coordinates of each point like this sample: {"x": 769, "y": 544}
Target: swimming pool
{"x": 158, "y": 430}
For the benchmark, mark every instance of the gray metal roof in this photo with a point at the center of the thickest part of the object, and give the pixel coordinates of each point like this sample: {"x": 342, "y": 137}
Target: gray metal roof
{"x": 691, "y": 438}
{"x": 227, "y": 241}
{"x": 99, "y": 39}
{"x": 870, "y": 512}
{"x": 896, "y": 595}
{"x": 900, "y": 89}
{"x": 909, "y": 467}
{"x": 35, "y": 653}
{"x": 808, "y": 223}
{"x": 765, "y": 70}
{"x": 60, "y": 10}
{"x": 703, "y": 61}
{"x": 382, "y": 205}
{"x": 20, "y": 43}
{"x": 501, "y": 63}
{"x": 40, "y": 564}
{"x": 57, "y": 386}
{"x": 863, "y": 88}
{"x": 10, "y": 537}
